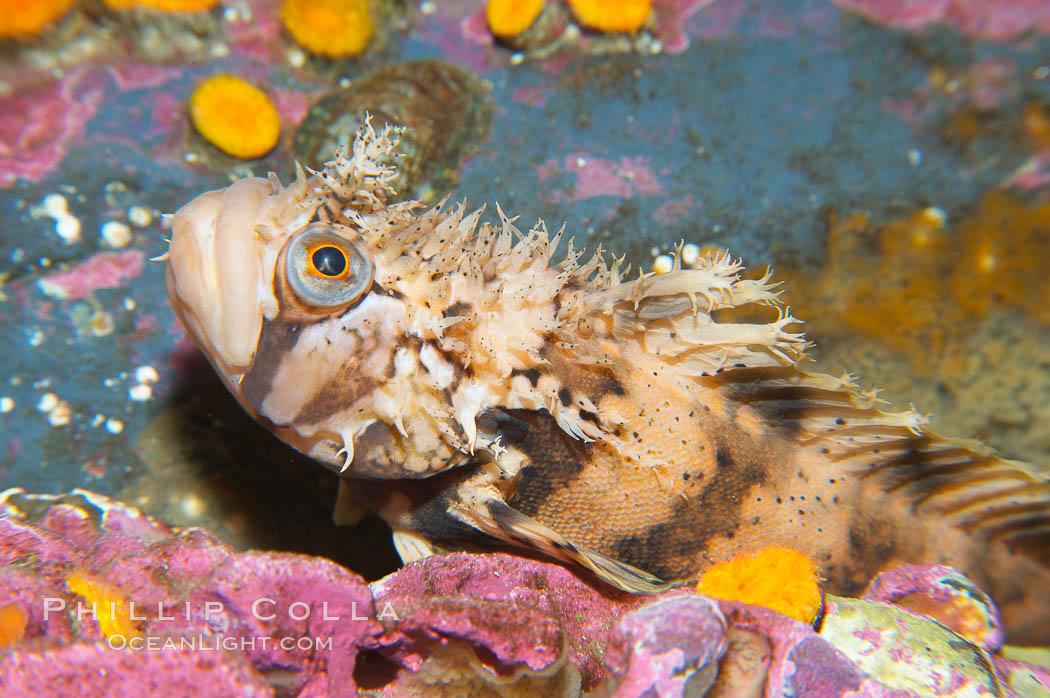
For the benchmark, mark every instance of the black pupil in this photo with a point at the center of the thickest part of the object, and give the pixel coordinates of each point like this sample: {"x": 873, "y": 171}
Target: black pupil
{"x": 329, "y": 260}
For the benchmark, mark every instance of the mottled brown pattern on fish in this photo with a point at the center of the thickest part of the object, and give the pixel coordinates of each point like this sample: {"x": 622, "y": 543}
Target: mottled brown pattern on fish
{"x": 345, "y": 388}
{"x": 275, "y": 341}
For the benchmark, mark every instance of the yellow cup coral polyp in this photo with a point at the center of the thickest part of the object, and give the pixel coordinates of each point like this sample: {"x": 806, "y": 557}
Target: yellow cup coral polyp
{"x": 780, "y": 579}
{"x": 612, "y": 15}
{"x": 164, "y": 5}
{"x": 108, "y": 605}
{"x": 29, "y": 17}
{"x": 509, "y": 18}
{"x": 235, "y": 116}
{"x": 13, "y": 620}
{"x": 328, "y": 27}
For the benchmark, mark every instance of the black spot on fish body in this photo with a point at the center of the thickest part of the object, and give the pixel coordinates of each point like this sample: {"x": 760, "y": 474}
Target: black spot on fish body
{"x": 457, "y": 309}
{"x": 565, "y": 396}
{"x": 384, "y": 291}
{"x": 589, "y": 416}
{"x": 532, "y": 374}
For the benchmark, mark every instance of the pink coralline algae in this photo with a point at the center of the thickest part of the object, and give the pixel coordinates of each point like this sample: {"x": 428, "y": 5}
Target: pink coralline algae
{"x": 102, "y": 270}
{"x": 943, "y": 593}
{"x": 669, "y": 19}
{"x": 1000, "y": 20}
{"x": 94, "y": 670}
{"x": 673, "y": 212}
{"x": 38, "y": 124}
{"x": 211, "y": 621}
{"x": 630, "y": 176}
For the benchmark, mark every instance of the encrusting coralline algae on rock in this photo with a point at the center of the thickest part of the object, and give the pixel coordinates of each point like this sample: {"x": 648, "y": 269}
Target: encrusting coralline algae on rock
{"x": 221, "y": 623}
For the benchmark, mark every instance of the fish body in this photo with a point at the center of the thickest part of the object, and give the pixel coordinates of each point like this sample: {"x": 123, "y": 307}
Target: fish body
{"x": 476, "y": 392}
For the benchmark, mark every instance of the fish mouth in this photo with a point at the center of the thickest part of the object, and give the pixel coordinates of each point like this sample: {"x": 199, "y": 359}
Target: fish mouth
{"x": 215, "y": 273}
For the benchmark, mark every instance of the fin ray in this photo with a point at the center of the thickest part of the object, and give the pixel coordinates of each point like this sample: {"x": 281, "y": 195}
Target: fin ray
{"x": 508, "y": 524}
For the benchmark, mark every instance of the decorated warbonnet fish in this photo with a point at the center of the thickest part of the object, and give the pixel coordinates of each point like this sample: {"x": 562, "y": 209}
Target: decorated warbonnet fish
{"x": 477, "y": 394}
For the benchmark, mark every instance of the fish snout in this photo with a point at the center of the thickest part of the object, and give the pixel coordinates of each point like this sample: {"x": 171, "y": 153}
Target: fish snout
{"x": 215, "y": 272}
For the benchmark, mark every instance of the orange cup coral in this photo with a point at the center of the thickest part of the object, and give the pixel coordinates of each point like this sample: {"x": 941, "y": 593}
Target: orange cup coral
{"x": 612, "y": 15}
{"x": 328, "y": 27}
{"x": 235, "y": 116}
{"x": 13, "y": 620}
{"x": 164, "y": 5}
{"x": 780, "y": 579}
{"x": 110, "y": 607}
{"x": 28, "y": 17}
{"x": 509, "y": 18}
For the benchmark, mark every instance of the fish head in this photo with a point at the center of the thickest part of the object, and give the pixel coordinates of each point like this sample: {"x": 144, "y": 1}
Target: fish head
{"x": 280, "y": 287}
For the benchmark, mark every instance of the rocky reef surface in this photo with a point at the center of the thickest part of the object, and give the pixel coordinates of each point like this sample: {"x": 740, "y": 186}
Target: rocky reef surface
{"x": 97, "y": 598}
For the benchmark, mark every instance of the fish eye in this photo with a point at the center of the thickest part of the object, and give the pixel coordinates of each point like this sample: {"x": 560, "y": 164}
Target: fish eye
{"x": 328, "y": 261}
{"x": 325, "y": 269}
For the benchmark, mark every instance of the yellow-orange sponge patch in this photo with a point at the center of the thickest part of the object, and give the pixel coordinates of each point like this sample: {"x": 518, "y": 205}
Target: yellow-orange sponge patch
{"x": 781, "y": 579}
{"x": 110, "y": 607}
{"x": 612, "y": 15}
{"x": 235, "y": 116}
{"x": 13, "y": 620}
{"x": 28, "y": 17}
{"x": 509, "y": 18}
{"x": 328, "y": 27}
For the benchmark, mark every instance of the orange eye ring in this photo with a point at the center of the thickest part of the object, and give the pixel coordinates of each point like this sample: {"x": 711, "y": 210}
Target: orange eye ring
{"x": 327, "y": 261}
{"x": 326, "y": 268}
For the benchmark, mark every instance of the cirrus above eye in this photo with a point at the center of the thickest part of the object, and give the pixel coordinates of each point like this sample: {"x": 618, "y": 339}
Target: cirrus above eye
{"x": 326, "y": 270}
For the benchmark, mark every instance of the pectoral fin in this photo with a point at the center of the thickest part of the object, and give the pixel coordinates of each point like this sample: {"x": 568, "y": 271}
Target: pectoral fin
{"x": 412, "y": 546}
{"x": 489, "y": 514}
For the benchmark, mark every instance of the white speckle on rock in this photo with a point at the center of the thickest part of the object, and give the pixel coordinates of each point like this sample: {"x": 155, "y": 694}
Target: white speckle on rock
{"x": 192, "y": 506}
{"x": 146, "y": 374}
{"x": 60, "y": 415}
{"x": 48, "y": 402}
{"x": 690, "y": 254}
{"x": 115, "y": 234}
{"x": 55, "y": 206}
{"x": 114, "y": 425}
{"x": 140, "y": 216}
{"x": 140, "y": 392}
{"x": 935, "y": 215}
{"x": 67, "y": 227}
{"x": 663, "y": 264}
